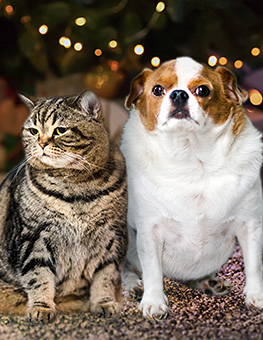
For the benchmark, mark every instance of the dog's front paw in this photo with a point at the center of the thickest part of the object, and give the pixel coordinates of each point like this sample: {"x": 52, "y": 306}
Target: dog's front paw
{"x": 255, "y": 300}
{"x": 154, "y": 308}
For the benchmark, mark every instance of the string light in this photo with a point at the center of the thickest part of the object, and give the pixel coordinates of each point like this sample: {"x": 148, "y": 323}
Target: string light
{"x": 255, "y": 51}
{"x": 81, "y": 21}
{"x": 238, "y": 64}
{"x": 212, "y": 60}
{"x": 9, "y": 9}
{"x": 43, "y": 29}
{"x": 223, "y": 61}
{"x": 98, "y": 52}
{"x": 255, "y": 97}
{"x": 64, "y": 41}
{"x": 112, "y": 44}
{"x": 155, "y": 61}
{"x": 114, "y": 65}
{"x": 25, "y": 19}
{"x": 160, "y": 6}
{"x": 138, "y": 49}
{"x": 78, "y": 46}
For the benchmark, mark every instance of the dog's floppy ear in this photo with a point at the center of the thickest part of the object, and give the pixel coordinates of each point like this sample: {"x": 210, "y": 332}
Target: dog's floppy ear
{"x": 136, "y": 89}
{"x": 231, "y": 89}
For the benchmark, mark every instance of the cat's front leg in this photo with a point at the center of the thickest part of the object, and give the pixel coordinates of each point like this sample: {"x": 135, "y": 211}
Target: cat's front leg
{"x": 105, "y": 291}
{"x": 40, "y": 287}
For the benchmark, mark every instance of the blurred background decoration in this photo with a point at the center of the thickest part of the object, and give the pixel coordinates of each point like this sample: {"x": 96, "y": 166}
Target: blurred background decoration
{"x": 50, "y": 47}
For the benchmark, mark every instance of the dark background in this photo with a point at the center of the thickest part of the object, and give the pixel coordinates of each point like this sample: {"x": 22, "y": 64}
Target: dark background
{"x": 197, "y": 28}
{"x": 37, "y": 64}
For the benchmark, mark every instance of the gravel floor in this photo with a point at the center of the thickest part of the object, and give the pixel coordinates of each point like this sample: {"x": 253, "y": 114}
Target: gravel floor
{"x": 193, "y": 315}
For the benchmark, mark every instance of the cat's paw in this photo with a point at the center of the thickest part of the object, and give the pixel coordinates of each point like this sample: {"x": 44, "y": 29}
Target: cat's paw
{"x": 41, "y": 314}
{"x": 106, "y": 309}
{"x": 136, "y": 292}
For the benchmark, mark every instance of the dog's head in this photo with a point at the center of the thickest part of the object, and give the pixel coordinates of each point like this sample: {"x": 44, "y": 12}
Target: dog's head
{"x": 183, "y": 94}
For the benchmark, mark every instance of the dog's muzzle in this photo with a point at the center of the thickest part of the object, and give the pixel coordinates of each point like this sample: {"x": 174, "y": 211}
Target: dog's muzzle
{"x": 179, "y": 100}
{"x": 179, "y": 97}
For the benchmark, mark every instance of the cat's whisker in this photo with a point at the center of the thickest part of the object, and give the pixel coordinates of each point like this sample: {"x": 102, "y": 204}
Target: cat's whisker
{"x": 20, "y": 166}
{"x": 75, "y": 161}
{"x": 75, "y": 156}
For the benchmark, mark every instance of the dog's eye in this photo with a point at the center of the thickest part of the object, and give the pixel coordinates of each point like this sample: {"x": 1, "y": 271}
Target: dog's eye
{"x": 202, "y": 91}
{"x": 158, "y": 90}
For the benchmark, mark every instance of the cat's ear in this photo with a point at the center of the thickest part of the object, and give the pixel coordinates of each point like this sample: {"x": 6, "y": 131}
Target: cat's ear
{"x": 90, "y": 104}
{"x": 26, "y": 100}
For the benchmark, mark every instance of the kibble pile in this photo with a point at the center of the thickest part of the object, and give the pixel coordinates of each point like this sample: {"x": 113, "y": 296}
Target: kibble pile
{"x": 193, "y": 315}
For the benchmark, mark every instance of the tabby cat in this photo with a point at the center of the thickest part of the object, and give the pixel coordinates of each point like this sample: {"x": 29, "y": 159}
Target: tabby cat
{"x": 63, "y": 212}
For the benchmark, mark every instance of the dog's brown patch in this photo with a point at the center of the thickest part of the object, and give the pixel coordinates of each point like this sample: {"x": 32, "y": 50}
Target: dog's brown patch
{"x": 225, "y": 99}
{"x": 141, "y": 92}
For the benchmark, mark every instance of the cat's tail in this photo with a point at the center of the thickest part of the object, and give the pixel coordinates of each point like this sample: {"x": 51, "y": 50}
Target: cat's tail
{"x": 13, "y": 301}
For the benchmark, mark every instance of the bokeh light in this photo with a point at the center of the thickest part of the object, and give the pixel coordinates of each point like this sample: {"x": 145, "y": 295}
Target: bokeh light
{"x": 255, "y": 97}
{"x": 238, "y": 64}
{"x": 222, "y": 61}
{"x": 112, "y": 44}
{"x": 255, "y": 51}
{"x": 43, "y": 29}
{"x": 98, "y": 52}
{"x": 160, "y": 6}
{"x": 138, "y": 49}
{"x": 212, "y": 60}
{"x": 9, "y": 9}
{"x": 78, "y": 46}
{"x": 81, "y": 21}
{"x": 64, "y": 41}
{"x": 155, "y": 61}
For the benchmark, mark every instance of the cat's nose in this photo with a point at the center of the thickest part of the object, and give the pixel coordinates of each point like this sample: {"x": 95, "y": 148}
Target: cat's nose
{"x": 43, "y": 145}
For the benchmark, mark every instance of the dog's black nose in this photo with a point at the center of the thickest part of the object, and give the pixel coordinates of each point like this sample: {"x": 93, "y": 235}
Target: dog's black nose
{"x": 179, "y": 97}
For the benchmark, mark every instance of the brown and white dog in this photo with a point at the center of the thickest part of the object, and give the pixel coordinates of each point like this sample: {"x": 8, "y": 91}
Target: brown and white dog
{"x": 193, "y": 160}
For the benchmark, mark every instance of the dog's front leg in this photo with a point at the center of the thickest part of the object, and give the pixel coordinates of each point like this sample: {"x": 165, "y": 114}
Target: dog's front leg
{"x": 154, "y": 302}
{"x": 250, "y": 238}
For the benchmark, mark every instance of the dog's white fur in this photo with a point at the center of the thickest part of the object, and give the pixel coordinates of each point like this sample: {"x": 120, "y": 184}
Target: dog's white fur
{"x": 194, "y": 188}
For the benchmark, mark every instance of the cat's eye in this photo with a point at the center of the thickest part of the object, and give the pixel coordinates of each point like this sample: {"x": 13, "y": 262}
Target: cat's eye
{"x": 33, "y": 131}
{"x": 202, "y": 91}
{"x": 158, "y": 90}
{"x": 59, "y": 131}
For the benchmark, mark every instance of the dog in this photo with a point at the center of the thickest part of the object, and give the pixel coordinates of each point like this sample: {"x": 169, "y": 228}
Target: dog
{"x": 193, "y": 161}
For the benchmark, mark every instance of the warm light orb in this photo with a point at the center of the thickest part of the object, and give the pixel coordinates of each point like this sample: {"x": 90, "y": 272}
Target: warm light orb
{"x": 212, "y": 60}
{"x": 98, "y": 52}
{"x": 160, "y": 6}
{"x": 64, "y": 41}
{"x": 155, "y": 61}
{"x": 138, "y": 49}
{"x": 78, "y": 46}
{"x": 112, "y": 44}
{"x": 9, "y": 9}
{"x": 81, "y": 21}
{"x": 43, "y": 29}
{"x": 223, "y": 61}
{"x": 255, "y": 51}
{"x": 238, "y": 64}
{"x": 255, "y": 97}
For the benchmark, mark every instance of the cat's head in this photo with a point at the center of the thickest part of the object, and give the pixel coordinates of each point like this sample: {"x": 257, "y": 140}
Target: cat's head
{"x": 65, "y": 133}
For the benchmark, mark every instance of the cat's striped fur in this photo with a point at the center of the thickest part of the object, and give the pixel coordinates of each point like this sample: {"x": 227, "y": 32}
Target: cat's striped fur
{"x": 63, "y": 230}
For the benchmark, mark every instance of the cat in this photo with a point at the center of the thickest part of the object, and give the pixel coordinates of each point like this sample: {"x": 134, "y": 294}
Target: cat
{"x": 63, "y": 233}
